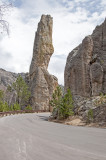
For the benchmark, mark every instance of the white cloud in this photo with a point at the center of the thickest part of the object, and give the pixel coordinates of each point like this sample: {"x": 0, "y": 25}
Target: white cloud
{"x": 59, "y": 62}
{"x": 72, "y": 22}
{"x": 19, "y": 43}
{"x": 78, "y": 1}
{"x": 103, "y": 2}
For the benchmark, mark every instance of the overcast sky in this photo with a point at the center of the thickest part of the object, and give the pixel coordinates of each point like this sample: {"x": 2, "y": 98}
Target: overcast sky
{"x": 72, "y": 21}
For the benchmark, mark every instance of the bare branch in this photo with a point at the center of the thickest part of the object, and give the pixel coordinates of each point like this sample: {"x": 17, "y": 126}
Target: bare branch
{"x": 4, "y": 25}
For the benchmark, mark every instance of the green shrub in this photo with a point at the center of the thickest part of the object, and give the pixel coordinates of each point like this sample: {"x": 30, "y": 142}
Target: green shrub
{"x": 1, "y": 106}
{"x": 12, "y": 108}
{"x": 9, "y": 88}
{"x": 5, "y": 107}
{"x": 1, "y": 95}
{"x": 16, "y": 107}
{"x": 90, "y": 115}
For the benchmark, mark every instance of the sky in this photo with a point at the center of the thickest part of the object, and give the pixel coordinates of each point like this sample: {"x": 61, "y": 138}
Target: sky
{"x": 72, "y": 21}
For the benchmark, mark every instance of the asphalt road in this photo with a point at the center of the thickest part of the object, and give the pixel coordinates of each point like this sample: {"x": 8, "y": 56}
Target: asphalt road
{"x": 32, "y": 137}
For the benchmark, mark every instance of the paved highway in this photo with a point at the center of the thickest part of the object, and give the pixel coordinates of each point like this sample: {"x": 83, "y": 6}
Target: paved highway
{"x": 32, "y": 137}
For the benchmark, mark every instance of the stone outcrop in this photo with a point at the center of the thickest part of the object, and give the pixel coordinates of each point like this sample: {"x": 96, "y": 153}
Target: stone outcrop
{"x": 96, "y": 104}
{"x": 6, "y": 79}
{"x": 85, "y": 71}
{"x": 85, "y": 75}
{"x": 42, "y": 84}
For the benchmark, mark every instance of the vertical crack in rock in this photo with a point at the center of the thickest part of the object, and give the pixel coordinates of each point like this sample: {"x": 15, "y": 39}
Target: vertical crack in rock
{"x": 42, "y": 84}
{"x": 77, "y": 68}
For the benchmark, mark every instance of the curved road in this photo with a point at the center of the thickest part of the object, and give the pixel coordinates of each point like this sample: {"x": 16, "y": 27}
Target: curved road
{"x": 32, "y": 137}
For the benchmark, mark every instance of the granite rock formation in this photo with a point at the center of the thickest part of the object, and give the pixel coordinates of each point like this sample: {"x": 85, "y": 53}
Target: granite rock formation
{"x": 6, "y": 79}
{"x": 85, "y": 75}
{"x": 42, "y": 84}
{"x": 85, "y": 71}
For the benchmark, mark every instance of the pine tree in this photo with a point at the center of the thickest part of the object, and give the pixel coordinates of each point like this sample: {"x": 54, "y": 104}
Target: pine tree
{"x": 1, "y": 100}
{"x": 56, "y": 100}
{"x": 67, "y": 105}
{"x": 1, "y": 106}
{"x": 1, "y": 95}
{"x": 5, "y": 107}
{"x": 16, "y": 107}
{"x": 62, "y": 105}
{"x": 22, "y": 91}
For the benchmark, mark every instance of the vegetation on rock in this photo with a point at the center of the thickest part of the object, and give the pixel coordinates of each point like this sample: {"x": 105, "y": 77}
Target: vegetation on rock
{"x": 101, "y": 100}
{"x": 90, "y": 115}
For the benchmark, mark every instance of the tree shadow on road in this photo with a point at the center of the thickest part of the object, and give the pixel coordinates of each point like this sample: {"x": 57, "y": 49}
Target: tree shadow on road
{"x": 44, "y": 118}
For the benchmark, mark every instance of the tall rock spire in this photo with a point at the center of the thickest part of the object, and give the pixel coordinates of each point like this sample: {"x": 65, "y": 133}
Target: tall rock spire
{"x": 42, "y": 84}
{"x": 43, "y": 47}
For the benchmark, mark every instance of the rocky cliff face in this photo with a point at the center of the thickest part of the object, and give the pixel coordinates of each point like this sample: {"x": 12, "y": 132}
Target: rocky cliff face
{"x": 6, "y": 79}
{"x": 85, "y": 71}
{"x": 85, "y": 75}
{"x": 42, "y": 84}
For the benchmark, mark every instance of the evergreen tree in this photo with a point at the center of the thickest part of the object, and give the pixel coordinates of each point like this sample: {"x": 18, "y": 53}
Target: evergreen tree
{"x": 1, "y": 100}
{"x": 67, "y": 105}
{"x": 16, "y": 107}
{"x": 1, "y": 95}
{"x": 56, "y": 100}
{"x": 5, "y": 107}
{"x": 11, "y": 108}
{"x": 22, "y": 91}
{"x": 62, "y": 105}
{"x": 1, "y": 106}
